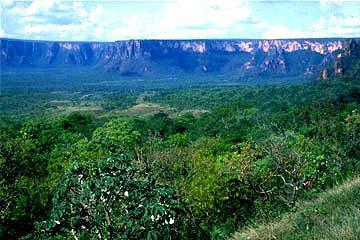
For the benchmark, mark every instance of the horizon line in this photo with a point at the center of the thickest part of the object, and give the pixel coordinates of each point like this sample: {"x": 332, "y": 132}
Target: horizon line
{"x": 177, "y": 39}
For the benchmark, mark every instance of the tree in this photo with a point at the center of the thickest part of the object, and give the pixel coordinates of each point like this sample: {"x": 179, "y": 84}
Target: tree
{"x": 115, "y": 137}
{"x": 294, "y": 163}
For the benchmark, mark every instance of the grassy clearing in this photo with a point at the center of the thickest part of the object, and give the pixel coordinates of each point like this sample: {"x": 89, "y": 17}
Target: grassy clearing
{"x": 145, "y": 109}
{"x": 63, "y": 106}
{"x": 61, "y": 110}
{"x": 194, "y": 112}
{"x": 141, "y": 108}
{"x": 335, "y": 214}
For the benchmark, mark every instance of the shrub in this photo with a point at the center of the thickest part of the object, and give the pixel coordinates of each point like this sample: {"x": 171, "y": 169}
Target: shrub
{"x": 112, "y": 199}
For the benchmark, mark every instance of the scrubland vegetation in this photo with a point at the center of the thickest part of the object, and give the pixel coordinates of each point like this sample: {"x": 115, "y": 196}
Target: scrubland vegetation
{"x": 193, "y": 163}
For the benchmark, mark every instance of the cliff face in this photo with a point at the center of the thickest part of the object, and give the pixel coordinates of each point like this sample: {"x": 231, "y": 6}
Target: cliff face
{"x": 345, "y": 63}
{"x": 141, "y": 57}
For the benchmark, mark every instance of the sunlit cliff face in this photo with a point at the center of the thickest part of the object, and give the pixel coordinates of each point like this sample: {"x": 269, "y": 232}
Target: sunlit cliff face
{"x": 231, "y": 56}
{"x": 264, "y": 45}
{"x": 198, "y": 47}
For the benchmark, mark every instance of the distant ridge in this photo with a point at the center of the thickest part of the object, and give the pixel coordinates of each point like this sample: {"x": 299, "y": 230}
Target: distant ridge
{"x": 235, "y": 57}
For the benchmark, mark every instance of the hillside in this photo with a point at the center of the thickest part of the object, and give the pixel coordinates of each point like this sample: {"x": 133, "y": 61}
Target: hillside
{"x": 335, "y": 214}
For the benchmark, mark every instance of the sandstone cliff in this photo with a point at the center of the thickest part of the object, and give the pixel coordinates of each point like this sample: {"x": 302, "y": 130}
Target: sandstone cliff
{"x": 300, "y": 57}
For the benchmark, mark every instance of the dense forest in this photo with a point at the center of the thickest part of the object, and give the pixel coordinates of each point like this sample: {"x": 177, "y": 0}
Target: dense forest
{"x": 190, "y": 163}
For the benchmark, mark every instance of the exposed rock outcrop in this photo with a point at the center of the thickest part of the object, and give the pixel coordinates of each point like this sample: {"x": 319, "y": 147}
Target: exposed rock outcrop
{"x": 345, "y": 62}
{"x": 296, "y": 57}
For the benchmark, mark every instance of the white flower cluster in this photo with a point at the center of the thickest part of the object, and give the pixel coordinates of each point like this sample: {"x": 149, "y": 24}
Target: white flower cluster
{"x": 80, "y": 180}
{"x": 171, "y": 220}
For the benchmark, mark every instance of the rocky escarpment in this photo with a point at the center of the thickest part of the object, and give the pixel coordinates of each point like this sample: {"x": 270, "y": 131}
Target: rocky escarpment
{"x": 300, "y": 57}
{"x": 345, "y": 63}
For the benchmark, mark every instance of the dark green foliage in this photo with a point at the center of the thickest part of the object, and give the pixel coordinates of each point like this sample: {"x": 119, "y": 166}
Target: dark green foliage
{"x": 33, "y": 158}
{"x": 112, "y": 199}
{"x": 221, "y": 158}
{"x": 78, "y": 123}
{"x": 17, "y": 104}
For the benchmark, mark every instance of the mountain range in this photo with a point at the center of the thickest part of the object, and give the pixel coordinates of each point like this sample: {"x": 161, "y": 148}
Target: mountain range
{"x": 237, "y": 57}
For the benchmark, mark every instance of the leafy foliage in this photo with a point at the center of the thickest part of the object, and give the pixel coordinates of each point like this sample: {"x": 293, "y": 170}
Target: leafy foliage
{"x": 112, "y": 199}
{"x": 115, "y": 137}
{"x": 224, "y": 157}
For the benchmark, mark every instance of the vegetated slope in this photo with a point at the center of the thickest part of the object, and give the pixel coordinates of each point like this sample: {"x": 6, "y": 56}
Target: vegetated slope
{"x": 219, "y": 163}
{"x": 251, "y": 156}
{"x": 335, "y": 214}
{"x": 239, "y": 57}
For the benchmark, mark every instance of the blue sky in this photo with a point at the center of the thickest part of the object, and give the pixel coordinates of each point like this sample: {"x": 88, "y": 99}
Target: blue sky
{"x": 178, "y": 19}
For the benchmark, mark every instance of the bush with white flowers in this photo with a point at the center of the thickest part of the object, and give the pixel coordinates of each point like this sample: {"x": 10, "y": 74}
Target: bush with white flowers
{"x": 112, "y": 199}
